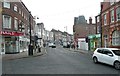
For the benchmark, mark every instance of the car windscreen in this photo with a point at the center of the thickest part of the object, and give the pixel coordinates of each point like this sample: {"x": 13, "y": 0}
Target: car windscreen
{"x": 116, "y": 52}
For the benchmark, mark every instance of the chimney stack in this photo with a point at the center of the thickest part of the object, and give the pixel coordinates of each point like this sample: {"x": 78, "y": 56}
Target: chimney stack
{"x": 90, "y": 20}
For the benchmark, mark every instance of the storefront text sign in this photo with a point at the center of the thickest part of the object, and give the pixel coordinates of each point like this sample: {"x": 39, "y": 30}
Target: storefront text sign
{"x": 11, "y": 33}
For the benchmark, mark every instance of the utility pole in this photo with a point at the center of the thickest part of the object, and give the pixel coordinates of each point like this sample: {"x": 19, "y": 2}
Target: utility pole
{"x": 30, "y": 50}
{"x": 101, "y": 23}
{"x": 66, "y": 32}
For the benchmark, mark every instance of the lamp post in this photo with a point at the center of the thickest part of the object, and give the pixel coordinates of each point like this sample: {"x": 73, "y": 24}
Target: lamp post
{"x": 101, "y": 23}
{"x": 30, "y": 50}
{"x": 66, "y": 32}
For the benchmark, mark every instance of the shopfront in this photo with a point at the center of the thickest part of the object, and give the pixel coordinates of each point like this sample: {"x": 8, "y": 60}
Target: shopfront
{"x": 10, "y": 41}
{"x": 23, "y": 43}
{"x": 94, "y": 41}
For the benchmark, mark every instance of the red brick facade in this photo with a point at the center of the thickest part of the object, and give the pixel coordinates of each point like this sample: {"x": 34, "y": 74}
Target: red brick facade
{"x": 24, "y": 18}
{"x": 109, "y": 28}
{"x": 14, "y": 35}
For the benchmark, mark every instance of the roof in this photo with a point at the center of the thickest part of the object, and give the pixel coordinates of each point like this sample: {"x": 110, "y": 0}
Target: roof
{"x": 109, "y": 48}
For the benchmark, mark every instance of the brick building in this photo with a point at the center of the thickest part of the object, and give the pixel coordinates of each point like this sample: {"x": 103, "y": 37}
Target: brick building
{"x": 57, "y": 34}
{"x": 61, "y": 37}
{"x": 110, "y": 15}
{"x": 15, "y": 26}
{"x": 82, "y": 29}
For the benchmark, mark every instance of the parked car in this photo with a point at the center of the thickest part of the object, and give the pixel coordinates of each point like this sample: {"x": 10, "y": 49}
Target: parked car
{"x": 109, "y": 56}
{"x": 64, "y": 44}
{"x": 51, "y": 44}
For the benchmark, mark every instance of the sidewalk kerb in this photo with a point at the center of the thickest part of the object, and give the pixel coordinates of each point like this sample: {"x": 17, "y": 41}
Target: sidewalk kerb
{"x": 23, "y": 55}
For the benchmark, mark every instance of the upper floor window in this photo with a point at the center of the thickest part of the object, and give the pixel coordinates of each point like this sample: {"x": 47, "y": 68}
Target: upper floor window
{"x": 105, "y": 19}
{"x": 15, "y": 23}
{"x": 111, "y": 3}
{"x": 20, "y": 11}
{"x": 15, "y": 7}
{"x": 22, "y": 14}
{"x": 6, "y": 4}
{"x": 6, "y": 21}
{"x": 112, "y": 15}
{"x": 117, "y": 0}
{"x": 98, "y": 29}
{"x": 118, "y": 13}
{"x": 116, "y": 38}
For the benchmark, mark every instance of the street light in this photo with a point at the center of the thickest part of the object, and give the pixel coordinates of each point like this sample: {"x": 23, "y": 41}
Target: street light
{"x": 30, "y": 50}
{"x": 66, "y": 32}
{"x": 101, "y": 23}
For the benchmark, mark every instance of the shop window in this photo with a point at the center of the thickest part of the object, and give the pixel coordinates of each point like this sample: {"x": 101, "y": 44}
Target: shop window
{"x": 116, "y": 38}
{"x": 6, "y": 21}
{"x": 6, "y": 4}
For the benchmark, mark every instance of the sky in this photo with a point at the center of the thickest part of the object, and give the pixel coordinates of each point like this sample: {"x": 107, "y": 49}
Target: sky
{"x": 59, "y": 14}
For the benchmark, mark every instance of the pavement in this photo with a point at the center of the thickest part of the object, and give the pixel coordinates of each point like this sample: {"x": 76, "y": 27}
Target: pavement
{"x": 23, "y": 55}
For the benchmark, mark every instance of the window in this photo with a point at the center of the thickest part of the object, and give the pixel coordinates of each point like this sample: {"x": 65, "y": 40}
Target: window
{"x": 116, "y": 52}
{"x": 15, "y": 8}
{"x": 6, "y": 4}
{"x": 6, "y": 21}
{"x": 112, "y": 2}
{"x": 22, "y": 14}
{"x": 106, "y": 51}
{"x": 105, "y": 19}
{"x": 15, "y": 23}
{"x": 116, "y": 38}
{"x": 118, "y": 13}
{"x": 100, "y": 51}
{"x": 117, "y": 0}
{"x": 19, "y": 11}
{"x": 112, "y": 15}
{"x": 98, "y": 29}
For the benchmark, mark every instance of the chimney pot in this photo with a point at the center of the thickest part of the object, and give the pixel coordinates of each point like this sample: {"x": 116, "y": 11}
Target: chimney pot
{"x": 90, "y": 20}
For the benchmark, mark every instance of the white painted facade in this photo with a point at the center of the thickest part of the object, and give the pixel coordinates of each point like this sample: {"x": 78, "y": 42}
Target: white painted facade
{"x": 82, "y": 44}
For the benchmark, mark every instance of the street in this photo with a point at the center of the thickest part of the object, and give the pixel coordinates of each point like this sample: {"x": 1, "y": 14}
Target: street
{"x": 57, "y": 61}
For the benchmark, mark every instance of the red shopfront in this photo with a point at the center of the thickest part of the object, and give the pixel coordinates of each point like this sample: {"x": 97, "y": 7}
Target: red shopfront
{"x": 10, "y": 41}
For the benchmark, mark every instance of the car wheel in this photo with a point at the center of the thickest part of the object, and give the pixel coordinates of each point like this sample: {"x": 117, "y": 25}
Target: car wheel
{"x": 95, "y": 60}
{"x": 117, "y": 65}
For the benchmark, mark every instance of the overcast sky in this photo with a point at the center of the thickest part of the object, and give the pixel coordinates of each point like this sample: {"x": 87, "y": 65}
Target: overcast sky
{"x": 58, "y": 14}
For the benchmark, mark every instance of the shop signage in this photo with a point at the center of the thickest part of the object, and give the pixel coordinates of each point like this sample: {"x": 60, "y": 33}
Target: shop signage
{"x": 11, "y": 33}
{"x": 94, "y": 36}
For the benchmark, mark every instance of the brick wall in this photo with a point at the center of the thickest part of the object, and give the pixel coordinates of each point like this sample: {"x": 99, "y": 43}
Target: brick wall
{"x": 12, "y": 13}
